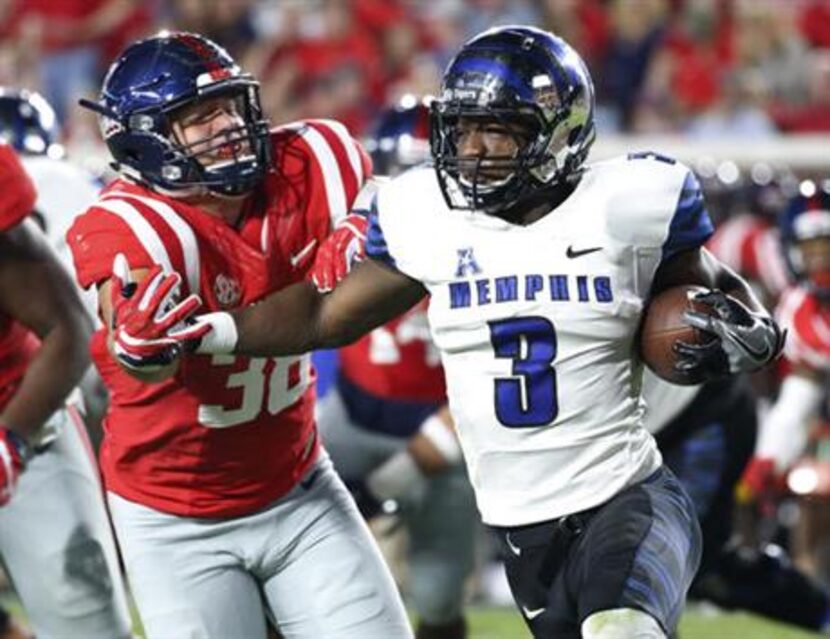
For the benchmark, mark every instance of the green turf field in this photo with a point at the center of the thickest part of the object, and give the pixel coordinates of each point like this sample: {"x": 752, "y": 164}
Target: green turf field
{"x": 505, "y": 623}
{"x": 500, "y": 623}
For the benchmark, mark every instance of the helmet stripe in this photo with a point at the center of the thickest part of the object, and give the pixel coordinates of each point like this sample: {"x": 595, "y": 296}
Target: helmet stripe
{"x": 488, "y": 65}
{"x": 200, "y": 48}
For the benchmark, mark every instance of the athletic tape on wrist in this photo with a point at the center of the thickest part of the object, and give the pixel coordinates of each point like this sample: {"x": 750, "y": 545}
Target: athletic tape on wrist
{"x": 222, "y": 337}
{"x": 443, "y": 438}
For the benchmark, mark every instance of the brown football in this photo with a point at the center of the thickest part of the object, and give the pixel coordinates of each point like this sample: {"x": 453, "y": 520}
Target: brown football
{"x": 663, "y": 325}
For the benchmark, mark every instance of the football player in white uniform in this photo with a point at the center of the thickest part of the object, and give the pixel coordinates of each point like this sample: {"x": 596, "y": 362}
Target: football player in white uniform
{"x": 539, "y": 269}
{"x": 386, "y": 427}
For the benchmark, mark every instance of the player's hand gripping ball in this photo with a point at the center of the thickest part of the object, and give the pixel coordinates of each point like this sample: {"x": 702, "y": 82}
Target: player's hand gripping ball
{"x": 666, "y": 337}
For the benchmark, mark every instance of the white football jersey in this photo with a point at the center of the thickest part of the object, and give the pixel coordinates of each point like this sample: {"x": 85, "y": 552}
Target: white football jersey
{"x": 64, "y": 191}
{"x": 664, "y": 401}
{"x": 536, "y": 326}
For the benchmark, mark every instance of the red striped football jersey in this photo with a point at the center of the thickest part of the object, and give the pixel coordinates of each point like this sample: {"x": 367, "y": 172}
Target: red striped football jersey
{"x": 226, "y": 435}
{"x": 752, "y": 247}
{"x": 17, "y": 344}
{"x": 807, "y": 321}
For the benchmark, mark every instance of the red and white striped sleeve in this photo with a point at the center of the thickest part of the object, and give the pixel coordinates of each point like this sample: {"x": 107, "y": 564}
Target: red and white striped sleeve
{"x": 146, "y": 230}
{"x": 343, "y": 165}
{"x": 733, "y": 244}
{"x": 808, "y": 326}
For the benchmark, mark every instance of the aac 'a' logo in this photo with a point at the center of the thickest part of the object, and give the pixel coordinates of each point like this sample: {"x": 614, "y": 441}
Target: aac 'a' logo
{"x": 227, "y": 290}
{"x": 467, "y": 264}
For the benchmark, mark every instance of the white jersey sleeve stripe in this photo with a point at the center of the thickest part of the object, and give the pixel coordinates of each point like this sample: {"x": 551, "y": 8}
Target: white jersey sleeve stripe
{"x": 349, "y": 144}
{"x": 144, "y": 231}
{"x": 332, "y": 179}
{"x": 184, "y": 234}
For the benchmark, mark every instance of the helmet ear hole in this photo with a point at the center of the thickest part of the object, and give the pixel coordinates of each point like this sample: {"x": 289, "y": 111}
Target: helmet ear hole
{"x": 574, "y": 135}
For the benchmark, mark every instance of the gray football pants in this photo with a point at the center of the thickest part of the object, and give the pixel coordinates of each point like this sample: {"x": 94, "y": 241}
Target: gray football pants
{"x": 57, "y": 544}
{"x": 308, "y": 561}
{"x": 441, "y": 521}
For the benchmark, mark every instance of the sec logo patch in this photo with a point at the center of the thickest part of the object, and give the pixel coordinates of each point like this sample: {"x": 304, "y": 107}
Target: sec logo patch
{"x": 227, "y": 291}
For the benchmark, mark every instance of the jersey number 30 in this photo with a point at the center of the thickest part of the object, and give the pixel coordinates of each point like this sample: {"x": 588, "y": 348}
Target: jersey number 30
{"x": 528, "y": 397}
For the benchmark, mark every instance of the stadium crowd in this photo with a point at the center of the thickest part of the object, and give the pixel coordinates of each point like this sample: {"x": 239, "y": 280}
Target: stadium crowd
{"x": 703, "y": 67}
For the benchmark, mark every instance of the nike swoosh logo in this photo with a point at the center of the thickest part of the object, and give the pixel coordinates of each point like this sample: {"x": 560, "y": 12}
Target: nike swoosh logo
{"x": 298, "y": 257}
{"x": 532, "y": 614}
{"x": 513, "y": 548}
{"x": 571, "y": 253}
{"x": 762, "y": 354}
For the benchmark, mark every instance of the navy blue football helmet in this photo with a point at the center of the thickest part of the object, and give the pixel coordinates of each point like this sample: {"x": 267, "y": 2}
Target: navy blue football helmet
{"x": 28, "y": 123}
{"x": 514, "y": 75}
{"x": 807, "y": 218}
{"x": 401, "y": 138}
{"x": 149, "y": 83}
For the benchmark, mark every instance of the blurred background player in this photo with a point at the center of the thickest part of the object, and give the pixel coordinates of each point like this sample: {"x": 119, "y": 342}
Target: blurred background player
{"x": 747, "y": 238}
{"x": 224, "y": 504}
{"x": 707, "y": 435}
{"x": 805, "y": 310}
{"x": 64, "y": 190}
{"x": 55, "y": 538}
{"x": 390, "y": 435}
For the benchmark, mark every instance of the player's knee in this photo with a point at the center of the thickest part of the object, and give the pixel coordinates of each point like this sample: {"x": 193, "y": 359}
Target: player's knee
{"x": 622, "y": 623}
{"x": 437, "y": 591}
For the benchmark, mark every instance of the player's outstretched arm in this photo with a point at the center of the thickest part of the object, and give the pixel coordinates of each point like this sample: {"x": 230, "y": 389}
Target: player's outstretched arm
{"x": 748, "y": 337}
{"x": 37, "y": 291}
{"x": 300, "y": 318}
{"x": 783, "y": 433}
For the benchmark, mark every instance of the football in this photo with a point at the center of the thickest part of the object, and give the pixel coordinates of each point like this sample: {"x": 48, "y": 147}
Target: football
{"x": 663, "y": 325}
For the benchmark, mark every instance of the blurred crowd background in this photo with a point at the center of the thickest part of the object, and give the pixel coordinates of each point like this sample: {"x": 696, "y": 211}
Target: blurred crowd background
{"x": 702, "y": 68}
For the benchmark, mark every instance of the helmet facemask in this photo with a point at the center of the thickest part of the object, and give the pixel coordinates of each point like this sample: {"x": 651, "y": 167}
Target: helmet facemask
{"x": 229, "y": 162}
{"x": 809, "y": 251}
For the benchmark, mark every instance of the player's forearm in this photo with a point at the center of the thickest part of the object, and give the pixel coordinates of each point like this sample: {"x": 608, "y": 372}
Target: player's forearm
{"x": 783, "y": 434}
{"x": 55, "y": 370}
{"x": 284, "y": 323}
{"x": 734, "y": 285}
{"x": 299, "y": 318}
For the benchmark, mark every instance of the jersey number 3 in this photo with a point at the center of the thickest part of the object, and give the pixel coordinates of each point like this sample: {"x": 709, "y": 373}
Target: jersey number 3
{"x": 527, "y": 398}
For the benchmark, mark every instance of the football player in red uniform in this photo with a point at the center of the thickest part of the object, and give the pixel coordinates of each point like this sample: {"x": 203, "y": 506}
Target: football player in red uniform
{"x": 225, "y": 506}
{"x": 805, "y": 310}
{"x": 387, "y": 433}
{"x": 55, "y": 539}
{"x": 748, "y": 239}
